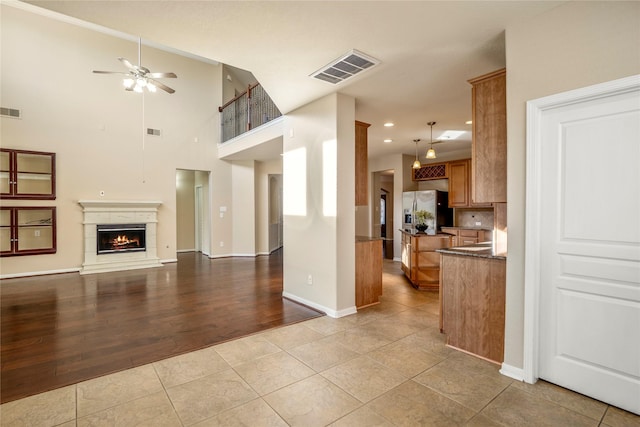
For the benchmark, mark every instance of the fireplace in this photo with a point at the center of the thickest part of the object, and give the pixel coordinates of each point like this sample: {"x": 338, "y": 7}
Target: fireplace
{"x": 119, "y": 238}
{"x": 119, "y": 235}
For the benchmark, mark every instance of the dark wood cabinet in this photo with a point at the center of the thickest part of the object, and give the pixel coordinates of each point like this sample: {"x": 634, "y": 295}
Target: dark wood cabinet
{"x": 29, "y": 175}
{"x": 362, "y": 164}
{"x": 489, "y": 144}
{"x": 27, "y": 230}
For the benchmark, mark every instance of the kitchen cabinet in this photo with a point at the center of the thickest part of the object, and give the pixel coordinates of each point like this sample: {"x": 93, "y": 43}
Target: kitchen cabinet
{"x": 472, "y": 303}
{"x": 368, "y": 271}
{"x": 489, "y": 142}
{"x": 361, "y": 164}
{"x": 466, "y": 236}
{"x": 27, "y": 175}
{"x": 460, "y": 185}
{"x": 420, "y": 261}
{"x": 27, "y": 230}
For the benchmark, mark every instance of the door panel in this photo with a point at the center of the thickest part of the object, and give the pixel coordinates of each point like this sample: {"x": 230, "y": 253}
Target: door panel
{"x": 590, "y": 249}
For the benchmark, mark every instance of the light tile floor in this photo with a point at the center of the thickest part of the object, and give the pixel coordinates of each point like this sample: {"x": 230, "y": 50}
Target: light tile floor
{"x": 387, "y": 365}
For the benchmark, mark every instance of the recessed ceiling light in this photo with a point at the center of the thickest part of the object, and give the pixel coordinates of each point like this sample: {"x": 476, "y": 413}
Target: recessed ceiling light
{"x": 468, "y": 122}
{"x": 388, "y": 141}
{"x": 388, "y": 124}
{"x": 451, "y": 134}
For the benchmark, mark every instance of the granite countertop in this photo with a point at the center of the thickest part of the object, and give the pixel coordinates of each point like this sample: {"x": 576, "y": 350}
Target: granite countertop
{"x": 439, "y": 234}
{"x": 479, "y": 250}
{"x": 468, "y": 228}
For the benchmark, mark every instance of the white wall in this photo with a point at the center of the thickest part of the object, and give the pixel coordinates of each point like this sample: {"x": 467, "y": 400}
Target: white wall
{"x": 96, "y": 128}
{"x": 317, "y": 242}
{"x": 574, "y": 45}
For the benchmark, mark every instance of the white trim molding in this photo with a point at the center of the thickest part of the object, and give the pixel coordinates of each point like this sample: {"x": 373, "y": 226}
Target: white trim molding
{"x": 39, "y": 273}
{"x": 512, "y": 372}
{"x": 535, "y": 110}
{"x": 328, "y": 311}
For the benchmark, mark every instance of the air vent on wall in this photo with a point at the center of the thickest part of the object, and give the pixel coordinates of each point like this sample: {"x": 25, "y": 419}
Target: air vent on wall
{"x": 9, "y": 112}
{"x": 345, "y": 67}
{"x": 153, "y": 132}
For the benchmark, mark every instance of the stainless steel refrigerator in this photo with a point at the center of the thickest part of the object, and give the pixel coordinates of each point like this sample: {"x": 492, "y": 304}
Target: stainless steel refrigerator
{"x": 434, "y": 201}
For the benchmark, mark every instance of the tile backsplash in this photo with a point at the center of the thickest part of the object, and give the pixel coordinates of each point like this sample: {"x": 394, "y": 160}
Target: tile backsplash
{"x": 469, "y": 218}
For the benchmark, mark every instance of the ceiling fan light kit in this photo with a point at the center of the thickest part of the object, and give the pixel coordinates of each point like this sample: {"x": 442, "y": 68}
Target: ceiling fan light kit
{"x": 140, "y": 77}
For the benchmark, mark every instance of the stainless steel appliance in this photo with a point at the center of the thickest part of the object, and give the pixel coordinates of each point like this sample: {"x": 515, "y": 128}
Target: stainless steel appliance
{"x": 434, "y": 201}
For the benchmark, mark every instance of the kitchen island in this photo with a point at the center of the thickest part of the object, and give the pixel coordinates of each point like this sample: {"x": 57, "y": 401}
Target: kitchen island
{"x": 420, "y": 261}
{"x": 472, "y": 299}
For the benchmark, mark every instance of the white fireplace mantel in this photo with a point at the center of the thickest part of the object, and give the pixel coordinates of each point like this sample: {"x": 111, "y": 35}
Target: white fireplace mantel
{"x": 119, "y": 212}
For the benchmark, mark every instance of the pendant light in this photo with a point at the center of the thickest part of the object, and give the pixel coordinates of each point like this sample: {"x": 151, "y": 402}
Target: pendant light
{"x": 431, "y": 153}
{"x": 416, "y": 164}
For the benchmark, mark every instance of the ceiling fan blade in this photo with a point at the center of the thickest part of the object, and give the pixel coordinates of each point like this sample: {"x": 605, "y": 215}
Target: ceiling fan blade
{"x": 162, "y": 86}
{"x": 162, "y": 75}
{"x": 126, "y": 62}
{"x": 110, "y": 72}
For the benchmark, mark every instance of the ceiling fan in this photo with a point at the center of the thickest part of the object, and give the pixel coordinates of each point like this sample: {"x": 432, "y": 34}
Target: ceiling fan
{"x": 140, "y": 77}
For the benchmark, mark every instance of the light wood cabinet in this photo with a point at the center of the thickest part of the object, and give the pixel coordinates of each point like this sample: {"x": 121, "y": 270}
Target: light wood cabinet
{"x": 489, "y": 145}
{"x": 368, "y": 271}
{"x": 27, "y": 230}
{"x": 472, "y": 304}
{"x": 27, "y": 175}
{"x": 466, "y": 236}
{"x": 361, "y": 164}
{"x": 460, "y": 173}
{"x": 459, "y": 192}
{"x": 420, "y": 261}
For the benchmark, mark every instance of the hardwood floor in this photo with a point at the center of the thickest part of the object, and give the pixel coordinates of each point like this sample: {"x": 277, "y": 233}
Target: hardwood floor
{"x": 62, "y": 329}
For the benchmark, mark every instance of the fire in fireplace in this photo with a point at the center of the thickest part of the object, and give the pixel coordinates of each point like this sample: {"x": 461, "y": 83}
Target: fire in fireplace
{"x": 121, "y": 238}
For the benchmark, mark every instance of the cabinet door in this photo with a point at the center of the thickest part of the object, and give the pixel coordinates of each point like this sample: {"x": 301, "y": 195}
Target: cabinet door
{"x": 361, "y": 164}
{"x": 489, "y": 145}
{"x": 459, "y": 184}
{"x": 5, "y": 173}
{"x": 6, "y": 235}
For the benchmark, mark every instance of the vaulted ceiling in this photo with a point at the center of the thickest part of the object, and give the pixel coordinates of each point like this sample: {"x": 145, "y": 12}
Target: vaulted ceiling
{"x": 427, "y": 52}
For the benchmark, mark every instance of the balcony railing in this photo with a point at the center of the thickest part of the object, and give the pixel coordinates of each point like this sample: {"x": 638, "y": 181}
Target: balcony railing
{"x": 247, "y": 111}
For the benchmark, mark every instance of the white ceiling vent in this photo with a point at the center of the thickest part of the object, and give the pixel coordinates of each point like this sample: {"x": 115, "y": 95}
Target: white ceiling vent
{"x": 10, "y": 112}
{"x": 345, "y": 67}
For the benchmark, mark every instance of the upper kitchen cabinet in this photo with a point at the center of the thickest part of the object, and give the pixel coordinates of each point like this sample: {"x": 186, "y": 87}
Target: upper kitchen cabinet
{"x": 361, "y": 164}
{"x": 460, "y": 184}
{"x": 27, "y": 175}
{"x": 489, "y": 147}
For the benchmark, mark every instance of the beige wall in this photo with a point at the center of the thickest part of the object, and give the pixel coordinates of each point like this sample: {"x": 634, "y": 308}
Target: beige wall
{"x": 574, "y": 45}
{"x": 96, "y": 128}
{"x": 316, "y": 243}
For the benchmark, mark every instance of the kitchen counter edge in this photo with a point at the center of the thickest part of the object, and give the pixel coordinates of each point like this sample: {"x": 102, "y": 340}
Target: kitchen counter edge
{"x": 479, "y": 250}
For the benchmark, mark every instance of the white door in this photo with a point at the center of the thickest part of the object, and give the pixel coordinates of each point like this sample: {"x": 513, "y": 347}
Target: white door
{"x": 589, "y": 246}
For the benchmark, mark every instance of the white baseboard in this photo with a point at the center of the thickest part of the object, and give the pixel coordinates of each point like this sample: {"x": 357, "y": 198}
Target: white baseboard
{"x": 39, "y": 273}
{"x": 512, "y": 372}
{"x": 168, "y": 261}
{"x": 328, "y": 311}
{"x": 185, "y": 250}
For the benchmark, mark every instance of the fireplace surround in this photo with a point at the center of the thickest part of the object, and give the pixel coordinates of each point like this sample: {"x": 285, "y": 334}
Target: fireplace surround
{"x": 131, "y": 227}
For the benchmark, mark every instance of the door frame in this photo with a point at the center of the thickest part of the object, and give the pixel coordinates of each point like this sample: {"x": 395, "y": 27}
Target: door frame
{"x": 533, "y": 213}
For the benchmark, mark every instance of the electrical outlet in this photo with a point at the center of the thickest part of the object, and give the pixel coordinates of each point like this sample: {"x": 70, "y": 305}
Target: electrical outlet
{"x": 221, "y": 243}
{"x": 36, "y": 233}
{"x": 478, "y": 223}
{"x": 309, "y": 280}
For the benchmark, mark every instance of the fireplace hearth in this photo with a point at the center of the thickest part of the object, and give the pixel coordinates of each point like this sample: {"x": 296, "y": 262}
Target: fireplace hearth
{"x": 120, "y": 238}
